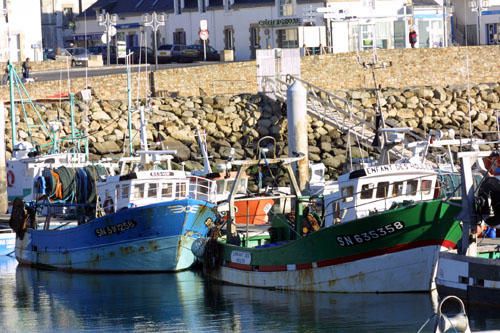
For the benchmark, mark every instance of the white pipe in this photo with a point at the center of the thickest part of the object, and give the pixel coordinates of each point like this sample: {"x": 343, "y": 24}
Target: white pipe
{"x": 297, "y": 129}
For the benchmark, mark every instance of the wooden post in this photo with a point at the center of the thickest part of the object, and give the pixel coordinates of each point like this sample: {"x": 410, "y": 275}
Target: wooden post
{"x": 3, "y": 171}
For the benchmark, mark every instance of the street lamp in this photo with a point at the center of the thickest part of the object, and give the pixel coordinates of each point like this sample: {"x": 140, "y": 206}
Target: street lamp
{"x": 154, "y": 21}
{"x": 108, "y": 21}
{"x": 478, "y": 6}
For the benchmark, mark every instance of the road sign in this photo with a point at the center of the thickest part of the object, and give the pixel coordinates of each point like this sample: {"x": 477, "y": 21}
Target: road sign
{"x": 203, "y": 25}
{"x": 203, "y": 34}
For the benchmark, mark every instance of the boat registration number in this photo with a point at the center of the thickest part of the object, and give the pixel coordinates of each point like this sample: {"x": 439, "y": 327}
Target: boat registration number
{"x": 241, "y": 257}
{"x": 115, "y": 229}
{"x": 368, "y": 236}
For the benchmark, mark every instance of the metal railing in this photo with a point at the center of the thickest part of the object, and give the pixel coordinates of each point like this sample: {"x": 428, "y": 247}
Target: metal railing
{"x": 334, "y": 110}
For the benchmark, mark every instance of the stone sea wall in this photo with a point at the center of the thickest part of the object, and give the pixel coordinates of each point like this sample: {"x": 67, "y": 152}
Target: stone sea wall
{"x": 239, "y": 121}
{"x": 408, "y": 68}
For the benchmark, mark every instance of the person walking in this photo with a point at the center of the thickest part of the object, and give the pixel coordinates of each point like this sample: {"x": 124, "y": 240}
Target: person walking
{"x": 26, "y": 68}
{"x": 5, "y": 77}
{"x": 412, "y": 36}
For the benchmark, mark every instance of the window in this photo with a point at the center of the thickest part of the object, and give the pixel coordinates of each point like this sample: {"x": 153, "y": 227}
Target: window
{"x": 228, "y": 4}
{"x": 383, "y": 35}
{"x": 255, "y": 38}
{"x": 426, "y": 186}
{"x": 202, "y": 6}
{"x": 397, "y": 189}
{"x": 178, "y": 7}
{"x": 220, "y": 186}
{"x": 180, "y": 37}
{"x": 138, "y": 191}
{"x": 125, "y": 191}
{"x": 347, "y": 193}
{"x": 366, "y": 191}
{"x": 286, "y": 8}
{"x": 288, "y": 38}
{"x": 68, "y": 18}
{"x": 228, "y": 38}
{"x": 181, "y": 190}
{"x": 366, "y": 36}
{"x": 493, "y": 33}
{"x": 382, "y": 189}
{"x": 411, "y": 187}
{"x": 166, "y": 190}
{"x": 152, "y": 190}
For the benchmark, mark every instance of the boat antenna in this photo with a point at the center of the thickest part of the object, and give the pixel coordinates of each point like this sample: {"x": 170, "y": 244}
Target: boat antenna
{"x": 373, "y": 65}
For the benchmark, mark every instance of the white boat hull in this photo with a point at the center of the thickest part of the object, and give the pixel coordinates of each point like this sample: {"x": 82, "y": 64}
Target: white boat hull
{"x": 404, "y": 271}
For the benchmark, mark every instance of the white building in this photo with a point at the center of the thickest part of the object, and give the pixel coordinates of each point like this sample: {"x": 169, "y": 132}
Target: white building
{"x": 20, "y": 30}
{"x": 58, "y": 20}
{"x": 477, "y": 20}
{"x": 246, "y": 25}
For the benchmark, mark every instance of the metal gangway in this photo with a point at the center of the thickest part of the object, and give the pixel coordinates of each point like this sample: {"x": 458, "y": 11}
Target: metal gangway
{"x": 335, "y": 111}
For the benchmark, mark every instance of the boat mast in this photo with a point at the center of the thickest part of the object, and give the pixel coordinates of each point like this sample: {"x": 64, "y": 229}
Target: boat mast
{"x": 12, "y": 106}
{"x": 202, "y": 142}
{"x": 129, "y": 100}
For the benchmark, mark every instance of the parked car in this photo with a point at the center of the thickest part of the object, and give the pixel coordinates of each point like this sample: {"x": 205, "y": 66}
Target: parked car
{"x": 170, "y": 52}
{"x": 79, "y": 56}
{"x": 195, "y": 53}
{"x": 112, "y": 55}
{"x": 141, "y": 54}
{"x": 96, "y": 50}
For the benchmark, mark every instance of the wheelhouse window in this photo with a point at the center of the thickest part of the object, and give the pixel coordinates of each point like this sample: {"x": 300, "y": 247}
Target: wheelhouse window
{"x": 397, "y": 189}
{"x": 166, "y": 190}
{"x": 426, "y": 186}
{"x": 366, "y": 191}
{"x": 347, "y": 193}
{"x": 138, "y": 191}
{"x": 382, "y": 189}
{"x": 152, "y": 190}
{"x": 181, "y": 190}
{"x": 411, "y": 187}
{"x": 125, "y": 191}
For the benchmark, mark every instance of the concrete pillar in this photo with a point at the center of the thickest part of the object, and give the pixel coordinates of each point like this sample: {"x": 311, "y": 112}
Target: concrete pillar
{"x": 297, "y": 129}
{"x": 3, "y": 171}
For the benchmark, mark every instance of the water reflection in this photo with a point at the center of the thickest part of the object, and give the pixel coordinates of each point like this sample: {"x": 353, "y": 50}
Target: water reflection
{"x": 34, "y": 300}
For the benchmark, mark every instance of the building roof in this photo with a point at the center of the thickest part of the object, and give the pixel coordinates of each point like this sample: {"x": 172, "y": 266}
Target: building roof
{"x": 129, "y": 7}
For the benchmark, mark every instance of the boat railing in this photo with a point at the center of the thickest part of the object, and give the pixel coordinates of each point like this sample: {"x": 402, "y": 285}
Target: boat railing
{"x": 201, "y": 188}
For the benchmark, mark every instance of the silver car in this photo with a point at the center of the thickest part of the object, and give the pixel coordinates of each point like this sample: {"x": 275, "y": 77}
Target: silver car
{"x": 79, "y": 56}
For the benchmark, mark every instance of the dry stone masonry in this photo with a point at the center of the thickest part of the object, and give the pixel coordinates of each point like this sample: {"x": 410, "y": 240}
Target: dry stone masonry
{"x": 239, "y": 121}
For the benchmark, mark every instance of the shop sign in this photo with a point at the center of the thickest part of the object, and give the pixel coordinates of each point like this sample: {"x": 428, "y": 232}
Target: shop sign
{"x": 281, "y": 22}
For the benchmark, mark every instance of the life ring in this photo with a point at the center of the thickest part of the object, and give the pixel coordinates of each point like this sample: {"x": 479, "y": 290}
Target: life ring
{"x": 11, "y": 178}
{"x": 108, "y": 206}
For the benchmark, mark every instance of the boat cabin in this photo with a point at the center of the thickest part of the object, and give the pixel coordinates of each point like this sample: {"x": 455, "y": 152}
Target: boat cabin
{"x": 377, "y": 188}
{"x": 149, "y": 180}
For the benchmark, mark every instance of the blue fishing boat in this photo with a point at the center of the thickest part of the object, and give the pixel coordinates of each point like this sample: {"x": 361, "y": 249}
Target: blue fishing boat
{"x": 147, "y": 221}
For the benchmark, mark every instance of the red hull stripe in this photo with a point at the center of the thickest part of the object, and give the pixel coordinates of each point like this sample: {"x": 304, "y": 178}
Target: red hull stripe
{"x": 337, "y": 261}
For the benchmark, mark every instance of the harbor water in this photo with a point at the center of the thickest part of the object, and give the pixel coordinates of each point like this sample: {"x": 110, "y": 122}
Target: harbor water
{"x": 46, "y": 301}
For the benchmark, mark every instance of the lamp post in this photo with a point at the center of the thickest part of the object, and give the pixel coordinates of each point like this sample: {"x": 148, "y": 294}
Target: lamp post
{"x": 108, "y": 21}
{"x": 155, "y": 21}
{"x": 478, "y": 6}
